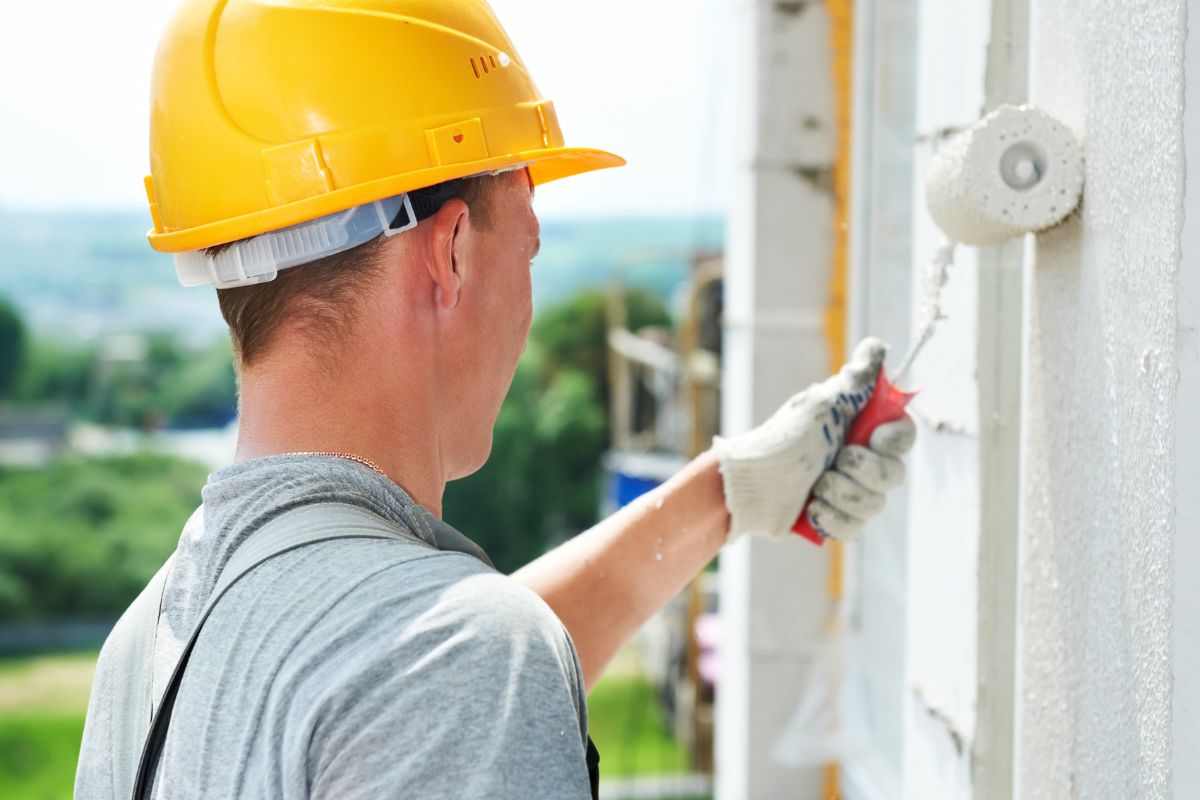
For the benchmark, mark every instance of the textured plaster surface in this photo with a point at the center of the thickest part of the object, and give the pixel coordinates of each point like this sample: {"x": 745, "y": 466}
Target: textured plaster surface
{"x": 1099, "y": 472}
{"x": 1185, "y": 612}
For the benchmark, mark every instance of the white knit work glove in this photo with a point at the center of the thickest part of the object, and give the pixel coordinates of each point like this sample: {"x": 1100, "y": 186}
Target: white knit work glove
{"x": 770, "y": 471}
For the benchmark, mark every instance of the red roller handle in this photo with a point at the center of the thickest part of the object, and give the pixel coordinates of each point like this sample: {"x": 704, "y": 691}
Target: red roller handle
{"x": 887, "y": 404}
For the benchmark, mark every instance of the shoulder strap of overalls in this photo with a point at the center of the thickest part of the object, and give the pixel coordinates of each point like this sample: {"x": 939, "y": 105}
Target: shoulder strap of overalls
{"x": 131, "y": 702}
{"x": 306, "y": 525}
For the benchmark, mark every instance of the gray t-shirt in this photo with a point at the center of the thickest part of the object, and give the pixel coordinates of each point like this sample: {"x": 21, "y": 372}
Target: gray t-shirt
{"x": 353, "y": 668}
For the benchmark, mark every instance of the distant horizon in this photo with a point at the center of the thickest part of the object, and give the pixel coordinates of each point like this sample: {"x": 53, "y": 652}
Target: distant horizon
{"x": 78, "y": 274}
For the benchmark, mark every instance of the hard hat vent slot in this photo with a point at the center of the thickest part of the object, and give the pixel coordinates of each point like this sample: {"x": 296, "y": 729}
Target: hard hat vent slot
{"x": 488, "y": 63}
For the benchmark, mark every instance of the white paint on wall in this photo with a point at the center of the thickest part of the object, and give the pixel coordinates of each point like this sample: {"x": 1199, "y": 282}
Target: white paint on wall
{"x": 1099, "y": 478}
{"x": 1185, "y": 612}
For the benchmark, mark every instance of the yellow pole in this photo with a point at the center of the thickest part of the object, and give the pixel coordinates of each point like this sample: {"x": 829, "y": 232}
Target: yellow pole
{"x": 841, "y": 32}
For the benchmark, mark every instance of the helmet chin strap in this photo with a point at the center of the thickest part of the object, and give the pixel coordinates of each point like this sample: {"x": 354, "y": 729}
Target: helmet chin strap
{"x": 260, "y": 258}
{"x": 424, "y": 203}
{"x": 427, "y": 202}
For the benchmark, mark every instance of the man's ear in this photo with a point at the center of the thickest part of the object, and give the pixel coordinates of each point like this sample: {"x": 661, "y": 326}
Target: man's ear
{"x": 451, "y": 237}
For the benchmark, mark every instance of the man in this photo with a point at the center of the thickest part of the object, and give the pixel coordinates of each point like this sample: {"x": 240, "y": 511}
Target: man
{"x": 356, "y": 178}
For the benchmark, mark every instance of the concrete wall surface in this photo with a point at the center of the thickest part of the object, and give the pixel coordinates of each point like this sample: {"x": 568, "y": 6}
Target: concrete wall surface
{"x": 1101, "y": 476}
{"x": 1101, "y": 460}
{"x": 1106, "y": 477}
{"x": 1185, "y": 612}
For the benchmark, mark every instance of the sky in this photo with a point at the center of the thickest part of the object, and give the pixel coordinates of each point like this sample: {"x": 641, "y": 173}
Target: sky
{"x": 642, "y": 78}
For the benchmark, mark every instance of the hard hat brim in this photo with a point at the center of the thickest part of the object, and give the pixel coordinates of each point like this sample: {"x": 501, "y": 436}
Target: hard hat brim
{"x": 545, "y": 165}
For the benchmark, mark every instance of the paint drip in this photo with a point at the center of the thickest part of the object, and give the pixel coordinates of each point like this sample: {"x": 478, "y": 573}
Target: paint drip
{"x": 930, "y": 313}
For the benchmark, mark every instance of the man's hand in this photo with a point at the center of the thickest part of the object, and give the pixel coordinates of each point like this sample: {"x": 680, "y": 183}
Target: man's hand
{"x": 770, "y": 471}
{"x": 635, "y": 561}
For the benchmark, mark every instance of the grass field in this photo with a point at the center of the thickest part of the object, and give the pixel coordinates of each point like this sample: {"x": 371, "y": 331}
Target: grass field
{"x": 629, "y": 732}
{"x": 37, "y": 755}
{"x": 43, "y": 701}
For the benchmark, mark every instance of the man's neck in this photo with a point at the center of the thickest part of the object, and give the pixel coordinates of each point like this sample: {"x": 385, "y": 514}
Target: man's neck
{"x": 290, "y": 407}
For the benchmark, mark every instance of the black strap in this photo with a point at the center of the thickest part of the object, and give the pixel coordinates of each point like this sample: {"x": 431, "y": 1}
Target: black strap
{"x": 593, "y": 765}
{"x": 428, "y": 201}
{"x": 161, "y": 723}
{"x": 446, "y": 537}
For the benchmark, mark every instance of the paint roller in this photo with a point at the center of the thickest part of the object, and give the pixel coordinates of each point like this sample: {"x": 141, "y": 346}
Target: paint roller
{"x": 1017, "y": 171}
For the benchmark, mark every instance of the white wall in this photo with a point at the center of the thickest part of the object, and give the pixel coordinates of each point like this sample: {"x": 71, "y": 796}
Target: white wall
{"x": 1101, "y": 458}
{"x": 1185, "y": 613}
{"x": 1107, "y": 657}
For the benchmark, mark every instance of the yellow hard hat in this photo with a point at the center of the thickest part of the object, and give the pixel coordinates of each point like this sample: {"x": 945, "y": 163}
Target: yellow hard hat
{"x": 269, "y": 113}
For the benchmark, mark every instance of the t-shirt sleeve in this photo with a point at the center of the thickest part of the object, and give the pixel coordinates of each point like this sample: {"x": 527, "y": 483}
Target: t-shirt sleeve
{"x": 478, "y": 696}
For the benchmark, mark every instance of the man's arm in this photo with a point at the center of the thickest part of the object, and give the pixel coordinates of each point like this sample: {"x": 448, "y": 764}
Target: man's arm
{"x": 608, "y": 581}
{"x": 605, "y": 583}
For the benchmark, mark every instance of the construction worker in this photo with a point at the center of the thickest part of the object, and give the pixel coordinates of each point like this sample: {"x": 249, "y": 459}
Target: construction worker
{"x": 355, "y": 177}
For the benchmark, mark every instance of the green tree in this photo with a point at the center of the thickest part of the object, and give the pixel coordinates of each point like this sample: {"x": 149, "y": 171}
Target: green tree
{"x": 498, "y": 506}
{"x": 542, "y": 481}
{"x": 172, "y": 384}
{"x": 56, "y": 373}
{"x": 202, "y": 390}
{"x": 82, "y": 537}
{"x": 574, "y": 334}
{"x": 12, "y": 347}
{"x": 572, "y": 431}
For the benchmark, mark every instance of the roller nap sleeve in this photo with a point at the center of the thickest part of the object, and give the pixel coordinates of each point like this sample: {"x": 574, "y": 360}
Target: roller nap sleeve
{"x": 1017, "y": 171}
